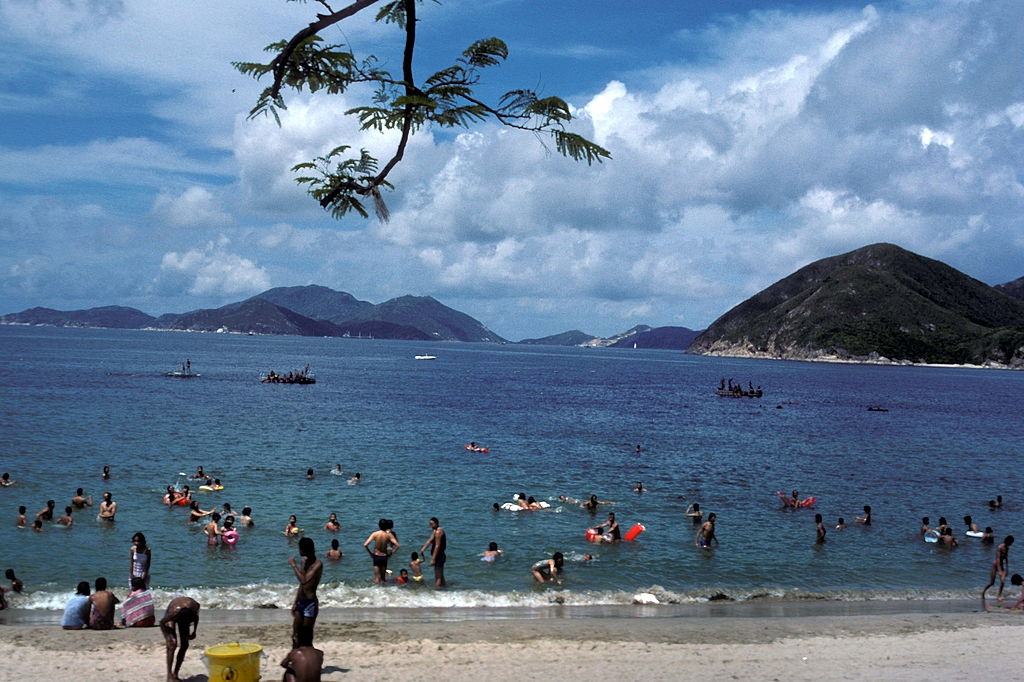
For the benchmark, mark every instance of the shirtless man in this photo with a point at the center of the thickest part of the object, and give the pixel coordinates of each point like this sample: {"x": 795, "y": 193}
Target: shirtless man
{"x": 999, "y": 567}
{"x": 706, "y": 533}
{"x": 103, "y": 602}
{"x": 303, "y": 664}
{"x": 819, "y": 525}
{"x": 5, "y": 480}
{"x": 66, "y": 520}
{"x": 181, "y": 612}
{"x": 384, "y": 542}
{"x": 609, "y": 530}
{"x": 108, "y": 508}
{"x": 80, "y": 501}
{"x": 306, "y": 606}
{"x": 438, "y": 543}
{"x": 46, "y": 513}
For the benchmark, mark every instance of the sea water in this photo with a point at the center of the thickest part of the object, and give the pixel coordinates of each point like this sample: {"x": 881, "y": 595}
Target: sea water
{"x": 558, "y": 421}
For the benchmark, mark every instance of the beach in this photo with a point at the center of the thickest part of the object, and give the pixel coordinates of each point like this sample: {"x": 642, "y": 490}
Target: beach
{"x": 822, "y": 641}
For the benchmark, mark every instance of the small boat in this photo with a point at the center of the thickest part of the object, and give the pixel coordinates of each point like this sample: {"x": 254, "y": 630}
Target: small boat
{"x": 877, "y": 408}
{"x": 179, "y": 374}
{"x": 304, "y": 377}
{"x": 739, "y": 393}
{"x": 424, "y": 357}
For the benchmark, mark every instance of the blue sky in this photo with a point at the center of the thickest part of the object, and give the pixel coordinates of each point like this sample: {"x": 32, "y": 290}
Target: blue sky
{"x": 748, "y": 139}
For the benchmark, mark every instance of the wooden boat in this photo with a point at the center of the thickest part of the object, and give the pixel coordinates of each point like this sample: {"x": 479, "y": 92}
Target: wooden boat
{"x": 722, "y": 393}
{"x": 304, "y": 377}
{"x": 179, "y": 374}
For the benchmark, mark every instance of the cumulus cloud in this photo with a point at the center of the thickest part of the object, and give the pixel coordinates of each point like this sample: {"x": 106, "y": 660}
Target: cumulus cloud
{"x": 194, "y": 207}
{"x": 211, "y": 271}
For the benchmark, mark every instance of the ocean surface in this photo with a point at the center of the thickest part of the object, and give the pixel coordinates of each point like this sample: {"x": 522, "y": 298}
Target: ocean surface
{"x": 557, "y": 422}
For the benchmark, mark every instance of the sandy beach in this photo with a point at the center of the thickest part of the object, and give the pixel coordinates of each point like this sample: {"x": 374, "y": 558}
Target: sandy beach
{"x": 741, "y": 644}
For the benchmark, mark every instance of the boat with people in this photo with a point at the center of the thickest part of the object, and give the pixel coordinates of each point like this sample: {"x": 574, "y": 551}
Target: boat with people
{"x": 184, "y": 373}
{"x": 736, "y": 390}
{"x": 303, "y": 376}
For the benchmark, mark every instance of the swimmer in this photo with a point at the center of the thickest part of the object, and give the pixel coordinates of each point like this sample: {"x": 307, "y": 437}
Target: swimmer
{"x": 37, "y": 525}
{"x": 695, "y": 514}
{"x": 1016, "y": 580}
{"x": 841, "y": 523}
{"x": 5, "y": 480}
{"x": 170, "y": 496}
{"x": 16, "y": 585}
{"x": 336, "y": 471}
{"x": 334, "y": 553}
{"x": 46, "y": 513}
{"x": 303, "y": 664}
{"x": 108, "y": 508}
{"x": 246, "y": 518}
{"x": 925, "y": 527}
{"x": 492, "y": 553}
{"x": 199, "y": 475}
{"x": 609, "y": 530}
{"x": 20, "y": 521}
{"x": 195, "y": 513}
{"x": 416, "y": 564}
{"x": 866, "y": 519}
{"x": 996, "y": 503}
{"x": 403, "y": 577}
{"x": 217, "y": 484}
{"x": 549, "y": 570}
{"x": 947, "y": 539}
{"x": 226, "y": 510}
{"x": 971, "y": 525}
{"x": 565, "y": 499}
{"x": 212, "y": 530}
{"x": 638, "y": 449}
{"x": 66, "y": 520}
{"x": 591, "y": 504}
{"x": 819, "y": 526}
{"x": 988, "y": 537}
{"x": 532, "y": 504}
{"x": 332, "y": 525}
{"x": 999, "y": 568}
{"x": 522, "y": 500}
{"x": 355, "y": 480}
{"x": 106, "y": 472}
{"x": 495, "y": 507}
{"x": 942, "y": 525}
{"x": 307, "y": 605}
{"x": 639, "y": 487}
{"x": 588, "y": 557}
{"x": 309, "y": 475}
{"x": 706, "y": 533}
{"x": 292, "y": 529}
{"x": 181, "y": 613}
{"x": 80, "y": 501}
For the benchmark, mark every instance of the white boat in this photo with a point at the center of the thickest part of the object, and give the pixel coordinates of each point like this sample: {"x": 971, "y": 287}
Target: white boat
{"x": 425, "y": 357}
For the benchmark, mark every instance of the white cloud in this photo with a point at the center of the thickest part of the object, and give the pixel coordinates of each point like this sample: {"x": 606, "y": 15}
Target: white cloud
{"x": 212, "y": 271}
{"x": 195, "y": 207}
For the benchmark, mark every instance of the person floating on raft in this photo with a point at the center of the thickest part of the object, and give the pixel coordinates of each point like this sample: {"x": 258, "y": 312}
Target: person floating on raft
{"x": 473, "y": 447}
{"x": 794, "y": 502}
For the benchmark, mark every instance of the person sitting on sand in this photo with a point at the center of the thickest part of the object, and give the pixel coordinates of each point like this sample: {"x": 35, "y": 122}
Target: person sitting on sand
{"x": 303, "y": 664}
{"x": 971, "y": 525}
{"x": 195, "y": 513}
{"x": 492, "y": 553}
{"x": 20, "y": 521}
{"x": 181, "y": 613}
{"x": 103, "y": 602}
{"x": 549, "y": 570}
{"x": 212, "y": 530}
{"x": 137, "y": 611}
{"x": 5, "y": 480}
{"x": 16, "y": 584}
{"x": 988, "y": 537}
{"x": 706, "y": 533}
{"x": 819, "y": 526}
{"x": 999, "y": 568}
{"x": 355, "y": 480}
{"x": 108, "y": 508}
{"x": 416, "y": 566}
{"x": 334, "y": 553}
{"x": 80, "y": 501}
{"x": 609, "y": 530}
{"x": 947, "y": 539}
{"x": 332, "y": 525}
{"x": 694, "y": 513}
{"x": 76, "y": 611}
{"x": 46, "y": 513}
{"x": 246, "y": 518}
{"x": 866, "y": 519}
{"x": 66, "y": 520}
{"x": 925, "y": 527}
{"x": 292, "y": 529}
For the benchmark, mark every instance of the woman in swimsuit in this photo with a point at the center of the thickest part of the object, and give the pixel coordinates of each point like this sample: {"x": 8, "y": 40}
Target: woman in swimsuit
{"x": 383, "y": 543}
{"x": 246, "y": 518}
{"x": 492, "y": 552}
{"x": 292, "y": 529}
{"x": 140, "y": 558}
{"x": 108, "y": 508}
{"x": 549, "y": 570}
{"x": 332, "y": 525}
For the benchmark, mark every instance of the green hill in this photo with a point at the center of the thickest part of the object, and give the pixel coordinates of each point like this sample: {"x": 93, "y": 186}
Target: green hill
{"x": 111, "y": 317}
{"x": 1014, "y": 289}
{"x": 569, "y": 338}
{"x": 880, "y": 300}
{"x": 428, "y": 315}
{"x": 252, "y": 315}
{"x": 317, "y": 302}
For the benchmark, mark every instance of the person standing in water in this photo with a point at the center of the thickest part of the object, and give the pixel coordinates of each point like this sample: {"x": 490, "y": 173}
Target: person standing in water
{"x": 706, "y": 533}
{"x": 108, "y": 508}
{"x": 80, "y": 501}
{"x": 999, "y": 568}
{"x": 820, "y": 529}
{"x": 438, "y": 542}
{"x": 866, "y": 519}
{"x": 306, "y": 606}
{"x": 383, "y": 542}
{"x": 106, "y": 472}
{"x": 139, "y": 559}
{"x": 181, "y": 613}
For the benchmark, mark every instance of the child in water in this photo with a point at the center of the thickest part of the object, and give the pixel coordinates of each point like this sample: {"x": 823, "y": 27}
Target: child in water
{"x": 292, "y": 529}
{"x": 841, "y": 524}
{"x": 491, "y": 553}
{"x": 415, "y": 563}
{"x": 20, "y": 523}
{"x": 403, "y": 577}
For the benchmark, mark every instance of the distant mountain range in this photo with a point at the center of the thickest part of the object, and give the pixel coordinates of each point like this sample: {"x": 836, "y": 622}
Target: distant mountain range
{"x": 641, "y": 336}
{"x": 879, "y": 302}
{"x": 1014, "y": 289}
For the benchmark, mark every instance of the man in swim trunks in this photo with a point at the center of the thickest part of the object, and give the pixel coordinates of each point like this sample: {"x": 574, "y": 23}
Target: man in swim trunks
{"x": 303, "y": 664}
{"x": 306, "y": 606}
{"x": 181, "y": 612}
{"x": 103, "y": 602}
{"x": 706, "y": 534}
{"x": 999, "y": 568}
{"x": 819, "y": 525}
{"x": 80, "y": 501}
{"x": 609, "y": 530}
{"x": 46, "y": 513}
{"x": 382, "y": 540}
{"x": 108, "y": 508}
{"x": 438, "y": 543}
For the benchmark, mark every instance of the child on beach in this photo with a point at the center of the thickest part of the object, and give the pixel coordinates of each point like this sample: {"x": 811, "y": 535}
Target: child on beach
{"x": 76, "y": 611}
{"x": 549, "y": 570}
{"x": 103, "y": 602}
{"x": 20, "y": 522}
{"x": 416, "y": 563}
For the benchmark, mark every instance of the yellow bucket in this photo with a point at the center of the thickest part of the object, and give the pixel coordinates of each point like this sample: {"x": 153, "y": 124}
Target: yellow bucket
{"x": 234, "y": 662}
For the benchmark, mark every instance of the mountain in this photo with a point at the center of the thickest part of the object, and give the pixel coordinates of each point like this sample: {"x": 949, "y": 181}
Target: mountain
{"x": 668, "y": 338}
{"x": 1014, "y": 289}
{"x": 629, "y": 335}
{"x": 317, "y": 302}
{"x": 378, "y": 329}
{"x": 880, "y": 300}
{"x": 570, "y": 338}
{"x": 252, "y": 315}
{"x": 111, "y": 316}
{"x": 428, "y": 315}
